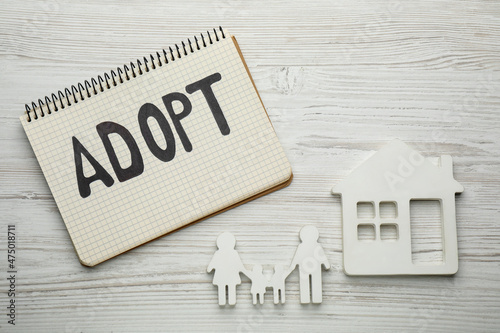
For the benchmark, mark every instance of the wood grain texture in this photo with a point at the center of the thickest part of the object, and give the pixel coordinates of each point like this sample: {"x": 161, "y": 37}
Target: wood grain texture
{"x": 339, "y": 79}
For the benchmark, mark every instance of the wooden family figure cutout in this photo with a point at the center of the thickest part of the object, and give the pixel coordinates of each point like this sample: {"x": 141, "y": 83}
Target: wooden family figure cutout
{"x": 309, "y": 257}
{"x": 228, "y": 266}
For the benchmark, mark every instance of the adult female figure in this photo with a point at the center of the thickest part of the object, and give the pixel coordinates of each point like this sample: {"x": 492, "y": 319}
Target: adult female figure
{"x": 227, "y": 265}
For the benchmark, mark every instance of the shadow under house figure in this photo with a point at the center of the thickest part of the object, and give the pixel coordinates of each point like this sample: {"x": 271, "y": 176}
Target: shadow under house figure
{"x": 228, "y": 266}
{"x": 310, "y": 258}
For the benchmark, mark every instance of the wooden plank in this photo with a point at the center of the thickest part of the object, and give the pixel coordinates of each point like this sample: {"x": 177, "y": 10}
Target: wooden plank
{"x": 339, "y": 79}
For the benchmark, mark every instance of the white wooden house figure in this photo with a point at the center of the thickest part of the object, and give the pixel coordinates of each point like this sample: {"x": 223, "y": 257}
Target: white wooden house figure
{"x": 392, "y": 178}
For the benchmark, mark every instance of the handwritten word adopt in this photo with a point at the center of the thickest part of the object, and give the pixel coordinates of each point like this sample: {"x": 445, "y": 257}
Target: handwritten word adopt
{"x": 146, "y": 111}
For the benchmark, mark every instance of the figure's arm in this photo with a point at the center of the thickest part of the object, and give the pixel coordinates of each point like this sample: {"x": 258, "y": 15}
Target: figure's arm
{"x": 324, "y": 261}
{"x": 211, "y": 266}
{"x": 292, "y": 267}
{"x": 297, "y": 258}
{"x": 289, "y": 271}
{"x": 246, "y": 272}
{"x": 242, "y": 269}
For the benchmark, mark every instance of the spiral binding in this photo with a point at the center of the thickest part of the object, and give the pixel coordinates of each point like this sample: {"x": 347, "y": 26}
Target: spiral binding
{"x": 93, "y": 87}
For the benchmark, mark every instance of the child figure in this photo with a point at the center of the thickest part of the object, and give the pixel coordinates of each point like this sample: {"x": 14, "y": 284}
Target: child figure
{"x": 259, "y": 284}
{"x": 278, "y": 283}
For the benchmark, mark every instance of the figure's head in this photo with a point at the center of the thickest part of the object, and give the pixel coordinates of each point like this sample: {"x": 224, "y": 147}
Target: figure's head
{"x": 309, "y": 233}
{"x": 257, "y": 269}
{"x": 226, "y": 241}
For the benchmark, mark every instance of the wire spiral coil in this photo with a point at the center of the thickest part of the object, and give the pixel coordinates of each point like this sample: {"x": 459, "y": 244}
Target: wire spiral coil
{"x": 89, "y": 88}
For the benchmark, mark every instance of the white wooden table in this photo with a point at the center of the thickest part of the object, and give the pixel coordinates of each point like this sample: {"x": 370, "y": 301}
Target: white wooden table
{"x": 339, "y": 80}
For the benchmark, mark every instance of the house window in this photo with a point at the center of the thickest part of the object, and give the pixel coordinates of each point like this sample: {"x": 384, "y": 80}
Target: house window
{"x": 388, "y": 210}
{"x": 366, "y": 210}
{"x": 366, "y": 232}
{"x": 389, "y": 232}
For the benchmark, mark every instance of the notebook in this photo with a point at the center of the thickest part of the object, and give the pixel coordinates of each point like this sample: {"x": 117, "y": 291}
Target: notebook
{"x": 155, "y": 145}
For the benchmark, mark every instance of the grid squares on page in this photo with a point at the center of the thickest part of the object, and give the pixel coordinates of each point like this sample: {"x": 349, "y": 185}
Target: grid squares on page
{"x": 223, "y": 170}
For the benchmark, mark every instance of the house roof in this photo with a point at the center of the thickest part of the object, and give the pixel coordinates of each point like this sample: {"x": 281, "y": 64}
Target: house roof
{"x": 398, "y": 170}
